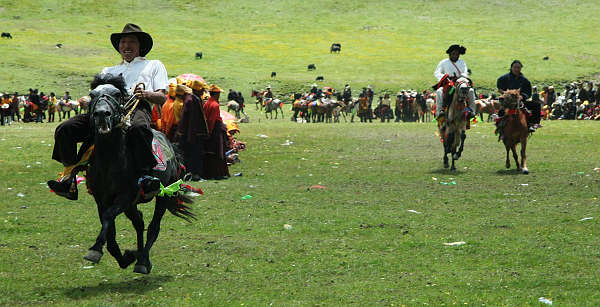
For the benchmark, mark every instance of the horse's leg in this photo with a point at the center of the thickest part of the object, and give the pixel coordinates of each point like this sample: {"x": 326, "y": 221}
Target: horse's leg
{"x": 137, "y": 221}
{"x": 143, "y": 265}
{"x": 463, "y": 136}
{"x": 524, "y": 155}
{"x": 507, "y": 164}
{"x": 107, "y": 218}
{"x": 513, "y": 148}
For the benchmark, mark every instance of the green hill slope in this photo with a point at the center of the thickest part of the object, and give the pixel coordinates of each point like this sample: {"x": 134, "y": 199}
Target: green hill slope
{"x": 390, "y": 44}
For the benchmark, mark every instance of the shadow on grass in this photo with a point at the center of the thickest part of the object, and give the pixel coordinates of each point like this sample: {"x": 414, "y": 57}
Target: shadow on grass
{"x": 446, "y": 171}
{"x": 138, "y": 285}
{"x": 509, "y": 172}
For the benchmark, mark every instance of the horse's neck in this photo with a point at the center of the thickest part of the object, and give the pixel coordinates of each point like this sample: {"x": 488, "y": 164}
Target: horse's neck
{"x": 110, "y": 151}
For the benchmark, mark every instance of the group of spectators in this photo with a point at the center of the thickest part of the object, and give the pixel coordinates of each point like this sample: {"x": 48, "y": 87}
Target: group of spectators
{"x": 579, "y": 100}
{"x": 34, "y": 107}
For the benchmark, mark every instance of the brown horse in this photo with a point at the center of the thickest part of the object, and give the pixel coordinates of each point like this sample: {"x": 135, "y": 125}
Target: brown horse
{"x": 514, "y": 129}
{"x": 453, "y": 127}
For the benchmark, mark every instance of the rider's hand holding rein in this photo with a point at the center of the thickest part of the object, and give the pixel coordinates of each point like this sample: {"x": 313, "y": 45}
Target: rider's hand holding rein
{"x": 157, "y": 97}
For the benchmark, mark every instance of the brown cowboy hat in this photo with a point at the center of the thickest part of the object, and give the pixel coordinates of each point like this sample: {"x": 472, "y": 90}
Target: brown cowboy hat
{"x": 461, "y": 49}
{"x": 131, "y": 29}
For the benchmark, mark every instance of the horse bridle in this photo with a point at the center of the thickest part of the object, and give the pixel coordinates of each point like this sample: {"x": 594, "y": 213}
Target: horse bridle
{"x": 116, "y": 107}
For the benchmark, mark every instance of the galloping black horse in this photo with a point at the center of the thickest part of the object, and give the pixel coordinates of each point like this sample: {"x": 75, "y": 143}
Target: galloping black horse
{"x": 112, "y": 177}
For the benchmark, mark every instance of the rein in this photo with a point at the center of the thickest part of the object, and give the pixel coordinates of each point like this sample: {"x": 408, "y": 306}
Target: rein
{"x": 134, "y": 100}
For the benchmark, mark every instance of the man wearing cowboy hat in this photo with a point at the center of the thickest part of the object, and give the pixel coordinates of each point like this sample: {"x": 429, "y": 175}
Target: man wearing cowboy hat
{"x": 454, "y": 68}
{"x": 132, "y": 44}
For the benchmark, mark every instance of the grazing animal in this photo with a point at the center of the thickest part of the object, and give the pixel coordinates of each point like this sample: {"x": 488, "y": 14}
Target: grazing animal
{"x": 514, "y": 129}
{"x": 7, "y": 35}
{"x": 112, "y": 177}
{"x": 335, "y": 47}
{"x": 320, "y": 78}
{"x": 59, "y": 45}
{"x": 452, "y": 130}
{"x": 273, "y": 74}
{"x": 546, "y": 58}
{"x": 198, "y": 55}
{"x": 312, "y": 67}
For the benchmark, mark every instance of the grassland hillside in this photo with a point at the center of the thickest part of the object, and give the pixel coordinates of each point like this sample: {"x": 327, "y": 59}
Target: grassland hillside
{"x": 390, "y": 44}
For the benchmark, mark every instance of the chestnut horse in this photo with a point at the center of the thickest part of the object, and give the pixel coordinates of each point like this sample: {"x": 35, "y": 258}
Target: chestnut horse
{"x": 514, "y": 129}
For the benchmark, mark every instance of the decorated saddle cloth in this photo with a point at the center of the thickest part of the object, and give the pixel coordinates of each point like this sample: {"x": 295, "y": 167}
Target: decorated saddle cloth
{"x": 162, "y": 150}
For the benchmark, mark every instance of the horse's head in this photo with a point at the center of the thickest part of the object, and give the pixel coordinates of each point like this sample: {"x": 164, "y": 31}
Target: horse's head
{"x": 106, "y": 106}
{"x": 511, "y": 98}
{"x": 463, "y": 85}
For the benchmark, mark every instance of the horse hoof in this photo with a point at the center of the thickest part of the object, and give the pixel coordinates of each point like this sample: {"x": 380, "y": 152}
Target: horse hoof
{"x": 525, "y": 171}
{"x": 93, "y": 256}
{"x": 129, "y": 257}
{"x": 507, "y": 165}
{"x": 142, "y": 269}
{"x": 453, "y": 168}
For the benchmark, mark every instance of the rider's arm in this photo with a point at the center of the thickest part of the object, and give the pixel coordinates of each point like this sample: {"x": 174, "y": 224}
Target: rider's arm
{"x": 157, "y": 97}
{"x": 438, "y": 73}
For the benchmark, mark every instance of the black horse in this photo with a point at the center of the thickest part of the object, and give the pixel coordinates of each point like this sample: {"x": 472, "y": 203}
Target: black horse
{"x": 112, "y": 177}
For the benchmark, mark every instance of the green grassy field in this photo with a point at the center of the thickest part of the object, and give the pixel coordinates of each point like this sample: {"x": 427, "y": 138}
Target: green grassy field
{"x": 352, "y": 243}
{"x": 389, "y": 44}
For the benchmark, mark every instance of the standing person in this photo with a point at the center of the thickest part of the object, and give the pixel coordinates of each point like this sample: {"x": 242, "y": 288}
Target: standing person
{"x": 232, "y": 95}
{"x": 453, "y": 68}
{"x": 192, "y": 130}
{"x": 240, "y": 101}
{"x": 15, "y": 108}
{"x": 51, "y": 107}
{"x": 132, "y": 44}
{"x": 370, "y": 95}
{"x": 215, "y": 163}
{"x": 398, "y": 106}
{"x": 5, "y": 109}
{"x": 513, "y": 80}
{"x": 34, "y": 99}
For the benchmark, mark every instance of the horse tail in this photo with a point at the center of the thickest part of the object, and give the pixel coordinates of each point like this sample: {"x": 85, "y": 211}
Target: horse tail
{"x": 178, "y": 200}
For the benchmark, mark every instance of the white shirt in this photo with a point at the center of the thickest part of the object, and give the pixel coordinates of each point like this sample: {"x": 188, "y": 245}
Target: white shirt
{"x": 446, "y": 67}
{"x": 150, "y": 72}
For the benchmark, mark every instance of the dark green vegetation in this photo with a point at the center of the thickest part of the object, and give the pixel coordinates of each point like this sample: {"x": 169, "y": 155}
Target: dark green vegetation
{"x": 389, "y": 44}
{"x": 354, "y": 242}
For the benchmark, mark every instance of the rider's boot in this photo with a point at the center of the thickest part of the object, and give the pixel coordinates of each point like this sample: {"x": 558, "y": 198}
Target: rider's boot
{"x": 149, "y": 186}
{"x": 65, "y": 187}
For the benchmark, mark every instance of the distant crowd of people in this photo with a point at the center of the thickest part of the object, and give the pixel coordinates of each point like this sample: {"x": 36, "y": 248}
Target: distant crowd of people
{"x": 36, "y": 107}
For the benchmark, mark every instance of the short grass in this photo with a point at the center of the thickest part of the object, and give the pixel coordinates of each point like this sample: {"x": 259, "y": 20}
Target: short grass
{"x": 352, "y": 243}
{"x": 389, "y": 44}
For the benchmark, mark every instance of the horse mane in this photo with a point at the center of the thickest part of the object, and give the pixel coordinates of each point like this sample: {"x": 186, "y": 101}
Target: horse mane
{"x": 114, "y": 80}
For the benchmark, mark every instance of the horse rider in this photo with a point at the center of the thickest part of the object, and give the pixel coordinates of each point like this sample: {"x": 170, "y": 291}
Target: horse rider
{"x": 514, "y": 79}
{"x": 133, "y": 45}
{"x": 347, "y": 95}
{"x": 454, "y": 68}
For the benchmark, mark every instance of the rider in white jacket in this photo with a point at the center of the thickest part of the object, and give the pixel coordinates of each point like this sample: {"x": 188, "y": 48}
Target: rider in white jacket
{"x": 455, "y": 68}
